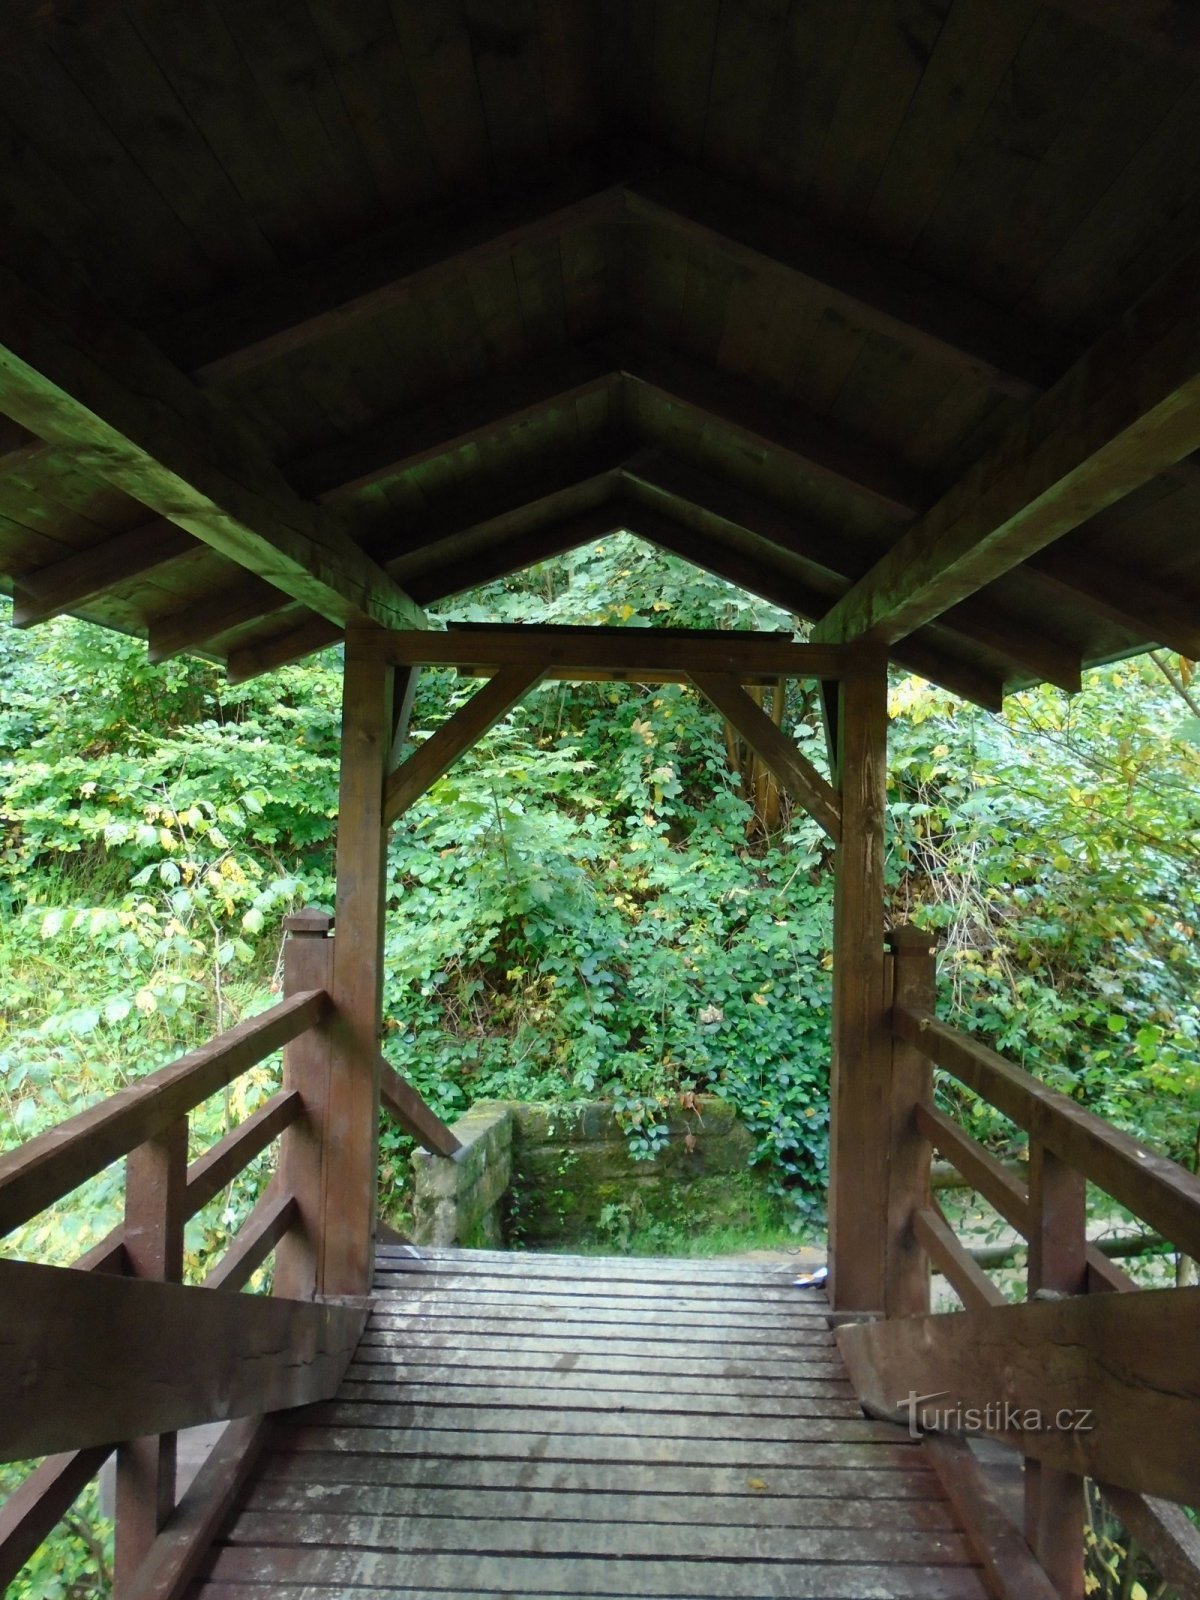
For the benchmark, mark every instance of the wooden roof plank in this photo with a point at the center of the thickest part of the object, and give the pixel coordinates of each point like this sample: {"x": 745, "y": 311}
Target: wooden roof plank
{"x": 1129, "y": 409}
{"x": 78, "y": 377}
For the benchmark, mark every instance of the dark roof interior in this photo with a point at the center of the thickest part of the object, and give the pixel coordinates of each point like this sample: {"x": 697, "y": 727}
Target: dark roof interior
{"x": 760, "y": 280}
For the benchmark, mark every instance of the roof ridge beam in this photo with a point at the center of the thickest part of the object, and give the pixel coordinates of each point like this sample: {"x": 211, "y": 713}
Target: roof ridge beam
{"x": 1125, "y": 412}
{"x": 76, "y": 376}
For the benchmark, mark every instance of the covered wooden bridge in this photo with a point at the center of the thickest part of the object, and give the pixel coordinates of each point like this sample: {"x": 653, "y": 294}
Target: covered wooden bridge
{"x": 314, "y": 312}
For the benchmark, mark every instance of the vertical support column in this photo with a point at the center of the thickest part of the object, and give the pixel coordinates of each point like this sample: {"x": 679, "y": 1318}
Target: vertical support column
{"x": 861, "y": 1067}
{"x": 1054, "y": 1499}
{"x": 352, "y": 1129}
{"x": 155, "y": 1184}
{"x": 913, "y": 984}
{"x": 307, "y": 964}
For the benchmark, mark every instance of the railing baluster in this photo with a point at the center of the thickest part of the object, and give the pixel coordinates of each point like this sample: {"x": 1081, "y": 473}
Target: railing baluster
{"x": 155, "y": 1190}
{"x": 1054, "y": 1499}
{"x": 906, "y": 1263}
{"x": 307, "y": 964}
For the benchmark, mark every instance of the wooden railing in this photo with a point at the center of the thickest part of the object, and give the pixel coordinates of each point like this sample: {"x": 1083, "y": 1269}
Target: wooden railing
{"x": 231, "y": 1353}
{"x": 1069, "y": 1147}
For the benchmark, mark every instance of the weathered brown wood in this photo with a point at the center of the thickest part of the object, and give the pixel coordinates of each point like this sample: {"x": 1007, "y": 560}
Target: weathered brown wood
{"x": 906, "y": 1272}
{"x": 351, "y": 1130}
{"x": 953, "y": 1260}
{"x": 403, "y": 1102}
{"x": 268, "y": 1223}
{"x": 404, "y": 695}
{"x": 793, "y": 769}
{"x": 1165, "y": 1533}
{"x": 155, "y": 1210}
{"x": 861, "y": 1069}
{"x": 1125, "y": 596}
{"x": 307, "y": 964}
{"x": 149, "y": 431}
{"x": 29, "y": 1515}
{"x": 208, "y": 1175}
{"x": 1013, "y": 1572}
{"x": 982, "y": 1172}
{"x": 80, "y": 577}
{"x": 1126, "y": 411}
{"x": 458, "y": 734}
{"x": 1055, "y": 1504}
{"x": 291, "y": 644}
{"x": 600, "y": 649}
{"x": 1127, "y": 1361}
{"x": 49, "y": 1166}
{"x": 872, "y": 290}
{"x": 180, "y": 1549}
{"x": 194, "y": 626}
{"x": 158, "y": 1356}
{"x": 284, "y": 314}
{"x": 1155, "y": 1189}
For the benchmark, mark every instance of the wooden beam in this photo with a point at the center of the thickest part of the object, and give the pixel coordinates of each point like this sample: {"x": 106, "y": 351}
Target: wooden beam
{"x": 84, "y": 574}
{"x": 290, "y": 644}
{"x": 1165, "y": 1533}
{"x": 605, "y": 649}
{"x": 870, "y": 290}
{"x": 793, "y": 769}
{"x": 1125, "y": 412}
{"x": 1168, "y": 617}
{"x": 180, "y": 1549}
{"x": 283, "y": 314}
{"x": 91, "y": 1359}
{"x": 82, "y": 380}
{"x": 246, "y": 601}
{"x": 41, "y": 1171}
{"x": 456, "y": 736}
{"x": 350, "y": 1178}
{"x": 860, "y": 1118}
{"x": 401, "y": 1101}
{"x": 819, "y": 449}
{"x": 836, "y": 562}
{"x": 1011, "y": 1570}
{"x": 1122, "y": 1365}
{"x": 30, "y": 1514}
{"x": 271, "y": 1219}
{"x": 391, "y": 446}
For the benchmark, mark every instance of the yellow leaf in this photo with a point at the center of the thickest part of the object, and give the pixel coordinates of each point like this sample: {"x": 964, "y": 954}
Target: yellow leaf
{"x": 756, "y": 1483}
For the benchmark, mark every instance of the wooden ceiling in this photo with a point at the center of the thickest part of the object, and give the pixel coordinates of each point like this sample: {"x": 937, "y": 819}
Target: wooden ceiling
{"x": 884, "y": 309}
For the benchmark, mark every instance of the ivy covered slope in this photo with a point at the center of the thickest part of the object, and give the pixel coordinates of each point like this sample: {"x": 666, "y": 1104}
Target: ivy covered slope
{"x": 607, "y": 897}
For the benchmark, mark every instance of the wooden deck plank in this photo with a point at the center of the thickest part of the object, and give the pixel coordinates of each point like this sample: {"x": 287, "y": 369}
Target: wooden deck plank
{"x": 523, "y": 1425}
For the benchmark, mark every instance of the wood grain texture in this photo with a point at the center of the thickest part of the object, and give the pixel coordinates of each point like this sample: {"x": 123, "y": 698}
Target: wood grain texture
{"x": 162, "y": 1356}
{"x": 401, "y": 1101}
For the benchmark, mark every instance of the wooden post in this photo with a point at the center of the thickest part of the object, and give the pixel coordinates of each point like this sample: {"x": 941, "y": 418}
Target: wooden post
{"x": 155, "y": 1184}
{"x": 1054, "y": 1499}
{"x": 307, "y": 964}
{"x": 913, "y": 984}
{"x": 352, "y": 1130}
{"x": 861, "y": 1068}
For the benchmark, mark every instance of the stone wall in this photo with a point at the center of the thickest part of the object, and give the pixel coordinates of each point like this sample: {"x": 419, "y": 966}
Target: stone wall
{"x": 572, "y": 1161}
{"x": 457, "y": 1199}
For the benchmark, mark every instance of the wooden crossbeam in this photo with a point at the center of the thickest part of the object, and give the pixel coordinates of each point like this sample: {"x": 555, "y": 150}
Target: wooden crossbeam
{"x": 1123, "y": 1366}
{"x": 90, "y": 1359}
{"x": 782, "y": 755}
{"x": 835, "y": 562}
{"x": 1126, "y": 411}
{"x": 429, "y": 761}
{"x": 80, "y": 379}
{"x": 411, "y": 1111}
{"x": 72, "y": 582}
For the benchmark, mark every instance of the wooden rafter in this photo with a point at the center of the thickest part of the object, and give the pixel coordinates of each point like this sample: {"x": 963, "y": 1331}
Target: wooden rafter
{"x": 160, "y": 1356}
{"x": 429, "y": 761}
{"x": 80, "y": 379}
{"x": 836, "y": 563}
{"x": 72, "y": 582}
{"x": 1126, "y": 411}
{"x": 793, "y": 769}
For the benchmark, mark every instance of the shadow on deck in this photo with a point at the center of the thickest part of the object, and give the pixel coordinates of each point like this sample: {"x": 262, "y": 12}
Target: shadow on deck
{"x": 571, "y": 1426}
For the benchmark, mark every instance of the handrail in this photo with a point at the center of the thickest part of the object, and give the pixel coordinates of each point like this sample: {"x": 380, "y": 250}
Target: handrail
{"x": 49, "y": 1166}
{"x": 1152, "y": 1186}
{"x": 414, "y": 1115}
